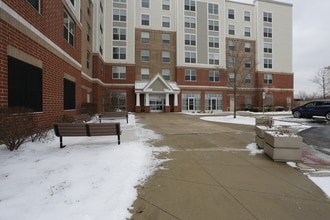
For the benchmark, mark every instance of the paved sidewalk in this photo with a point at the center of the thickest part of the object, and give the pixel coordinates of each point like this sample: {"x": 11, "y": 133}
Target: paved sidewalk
{"x": 212, "y": 176}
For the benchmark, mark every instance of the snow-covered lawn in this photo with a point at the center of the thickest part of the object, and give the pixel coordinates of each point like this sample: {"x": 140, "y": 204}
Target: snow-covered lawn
{"x": 93, "y": 178}
{"x": 323, "y": 181}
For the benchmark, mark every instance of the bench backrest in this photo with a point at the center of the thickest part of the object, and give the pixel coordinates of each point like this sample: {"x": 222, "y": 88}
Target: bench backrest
{"x": 71, "y": 129}
{"x": 114, "y": 114}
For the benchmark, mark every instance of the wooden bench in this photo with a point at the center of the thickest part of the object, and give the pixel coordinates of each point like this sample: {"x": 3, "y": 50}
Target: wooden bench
{"x": 82, "y": 118}
{"x": 80, "y": 129}
{"x": 113, "y": 115}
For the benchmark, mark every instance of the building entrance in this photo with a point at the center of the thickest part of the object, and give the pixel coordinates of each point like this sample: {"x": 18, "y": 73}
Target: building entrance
{"x": 157, "y": 103}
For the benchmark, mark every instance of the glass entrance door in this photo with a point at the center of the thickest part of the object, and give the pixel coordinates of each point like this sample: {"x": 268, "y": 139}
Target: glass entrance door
{"x": 157, "y": 103}
{"x": 191, "y": 103}
{"x": 214, "y": 103}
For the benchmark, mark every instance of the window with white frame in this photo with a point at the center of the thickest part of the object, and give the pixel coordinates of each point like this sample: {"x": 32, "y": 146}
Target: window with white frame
{"x": 231, "y": 77}
{"x": 190, "y": 39}
{"x": 268, "y": 78}
{"x": 166, "y": 56}
{"x": 247, "y": 47}
{"x": 247, "y": 79}
{"x": 119, "y": 53}
{"x": 190, "y": 57}
{"x": 190, "y": 75}
{"x": 190, "y": 22}
{"x": 145, "y": 73}
{"x": 166, "y": 5}
{"x": 213, "y": 25}
{"x": 247, "y": 31}
{"x": 119, "y": 14}
{"x": 166, "y": 73}
{"x": 214, "y": 42}
{"x": 190, "y": 5}
{"x": 35, "y": 4}
{"x": 120, "y": 1}
{"x": 231, "y": 62}
{"x": 247, "y": 16}
{"x": 231, "y": 13}
{"x": 145, "y": 37}
{"x": 268, "y": 63}
{"x": 268, "y": 48}
{"x": 145, "y": 3}
{"x": 214, "y": 58}
{"x": 268, "y": 32}
{"x": 145, "y": 56}
{"x": 166, "y": 39}
{"x": 119, "y": 72}
{"x": 119, "y": 34}
{"x": 69, "y": 28}
{"x": 214, "y": 76}
{"x": 166, "y": 22}
{"x": 213, "y": 8}
{"x": 231, "y": 45}
{"x": 231, "y": 29}
{"x": 268, "y": 17}
{"x": 145, "y": 19}
{"x": 247, "y": 62}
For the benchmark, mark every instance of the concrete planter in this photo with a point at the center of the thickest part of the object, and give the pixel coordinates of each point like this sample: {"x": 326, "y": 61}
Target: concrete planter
{"x": 282, "y": 147}
{"x": 264, "y": 121}
{"x": 260, "y": 134}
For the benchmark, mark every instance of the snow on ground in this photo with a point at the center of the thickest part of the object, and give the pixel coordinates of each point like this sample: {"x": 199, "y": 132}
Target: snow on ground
{"x": 93, "y": 178}
{"x": 322, "y": 181}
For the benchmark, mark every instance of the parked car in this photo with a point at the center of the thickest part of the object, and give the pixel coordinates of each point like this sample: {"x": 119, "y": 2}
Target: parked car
{"x": 314, "y": 108}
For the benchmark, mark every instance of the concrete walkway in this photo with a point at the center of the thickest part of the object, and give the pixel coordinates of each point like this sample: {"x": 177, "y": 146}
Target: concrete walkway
{"x": 212, "y": 176}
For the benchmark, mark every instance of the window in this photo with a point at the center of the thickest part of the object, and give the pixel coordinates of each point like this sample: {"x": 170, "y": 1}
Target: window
{"x": 190, "y": 75}
{"x": 35, "y": 4}
{"x": 166, "y": 39}
{"x": 268, "y": 17}
{"x": 231, "y": 45}
{"x": 247, "y": 78}
{"x": 166, "y": 5}
{"x": 247, "y": 32}
{"x": 119, "y": 53}
{"x": 145, "y": 36}
{"x": 118, "y": 72}
{"x": 231, "y": 30}
{"x": 101, "y": 7}
{"x": 69, "y": 94}
{"x": 268, "y": 32}
{"x": 101, "y": 29}
{"x": 190, "y": 57}
{"x": 247, "y": 47}
{"x": 145, "y": 74}
{"x": 119, "y": 14}
{"x": 117, "y": 101}
{"x": 145, "y": 3}
{"x": 190, "y": 22}
{"x": 213, "y": 8}
{"x": 231, "y": 78}
{"x": 24, "y": 85}
{"x": 231, "y": 13}
{"x": 145, "y": 56}
{"x": 145, "y": 19}
{"x": 214, "y": 76}
{"x": 247, "y": 16}
{"x": 165, "y": 22}
{"x": 189, "y": 5}
{"x": 190, "y": 39}
{"x": 268, "y": 78}
{"x": 89, "y": 31}
{"x": 166, "y": 56}
{"x": 88, "y": 58}
{"x": 120, "y": 1}
{"x": 119, "y": 34}
{"x": 166, "y": 74}
{"x": 214, "y": 58}
{"x": 69, "y": 27}
{"x": 268, "y": 63}
{"x": 231, "y": 62}
{"x": 268, "y": 48}
{"x": 213, "y": 25}
{"x": 247, "y": 62}
{"x": 214, "y": 42}
{"x": 72, "y": 2}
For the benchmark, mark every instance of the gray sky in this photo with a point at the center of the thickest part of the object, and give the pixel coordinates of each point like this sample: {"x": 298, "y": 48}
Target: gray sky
{"x": 311, "y": 41}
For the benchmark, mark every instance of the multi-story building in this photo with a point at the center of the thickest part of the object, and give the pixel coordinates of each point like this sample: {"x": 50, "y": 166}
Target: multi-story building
{"x": 143, "y": 55}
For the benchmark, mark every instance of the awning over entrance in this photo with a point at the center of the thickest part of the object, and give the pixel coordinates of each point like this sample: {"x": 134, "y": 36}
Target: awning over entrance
{"x": 154, "y": 90}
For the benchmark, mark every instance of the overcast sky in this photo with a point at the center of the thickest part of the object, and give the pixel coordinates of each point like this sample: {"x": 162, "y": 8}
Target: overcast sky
{"x": 311, "y": 41}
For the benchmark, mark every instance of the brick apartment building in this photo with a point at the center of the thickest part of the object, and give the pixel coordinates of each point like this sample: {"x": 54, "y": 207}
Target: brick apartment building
{"x": 143, "y": 55}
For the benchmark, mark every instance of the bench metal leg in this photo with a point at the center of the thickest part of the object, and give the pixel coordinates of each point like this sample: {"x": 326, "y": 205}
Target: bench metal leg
{"x": 61, "y": 142}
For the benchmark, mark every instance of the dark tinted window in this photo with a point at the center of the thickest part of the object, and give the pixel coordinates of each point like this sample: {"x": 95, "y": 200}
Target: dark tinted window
{"x": 69, "y": 94}
{"x": 24, "y": 85}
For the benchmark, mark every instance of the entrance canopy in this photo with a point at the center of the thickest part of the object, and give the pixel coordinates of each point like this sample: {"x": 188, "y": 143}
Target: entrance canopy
{"x": 156, "y": 86}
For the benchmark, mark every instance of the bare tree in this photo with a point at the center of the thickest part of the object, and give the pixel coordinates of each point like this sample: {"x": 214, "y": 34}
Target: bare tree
{"x": 321, "y": 79}
{"x": 241, "y": 66}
